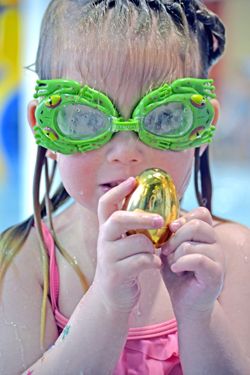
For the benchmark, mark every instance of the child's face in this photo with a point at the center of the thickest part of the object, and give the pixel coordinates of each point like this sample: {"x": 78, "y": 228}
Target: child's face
{"x": 89, "y": 175}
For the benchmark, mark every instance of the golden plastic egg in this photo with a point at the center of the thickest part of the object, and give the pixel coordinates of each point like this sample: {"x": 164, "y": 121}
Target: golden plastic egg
{"x": 155, "y": 193}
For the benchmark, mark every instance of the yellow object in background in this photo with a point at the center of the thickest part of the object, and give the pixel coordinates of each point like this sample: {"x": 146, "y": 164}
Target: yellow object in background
{"x": 8, "y": 2}
{"x": 10, "y": 76}
{"x": 9, "y": 49}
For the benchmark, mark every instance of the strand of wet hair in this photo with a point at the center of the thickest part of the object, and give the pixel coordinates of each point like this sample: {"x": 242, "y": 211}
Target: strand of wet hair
{"x": 202, "y": 174}
{"x": 42, "y": 245}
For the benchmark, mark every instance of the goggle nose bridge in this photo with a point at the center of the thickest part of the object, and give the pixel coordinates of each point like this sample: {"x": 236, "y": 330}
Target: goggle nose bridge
{"x": 119, "y": 124}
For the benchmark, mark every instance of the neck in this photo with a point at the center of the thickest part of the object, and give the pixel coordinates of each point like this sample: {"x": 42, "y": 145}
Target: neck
{"x": 77, "y": 230}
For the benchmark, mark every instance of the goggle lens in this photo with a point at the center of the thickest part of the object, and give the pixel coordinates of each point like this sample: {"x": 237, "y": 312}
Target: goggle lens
{"x": 78, "y": 121}
{"x": 170, "y": 119}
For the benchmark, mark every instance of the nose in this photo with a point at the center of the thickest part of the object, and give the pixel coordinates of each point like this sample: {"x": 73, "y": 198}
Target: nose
{"x": 125, "y": 148}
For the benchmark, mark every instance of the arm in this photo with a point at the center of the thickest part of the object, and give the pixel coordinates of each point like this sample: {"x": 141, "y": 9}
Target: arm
{"x": 211, "y": 298}
{"x": 88, "y": 341}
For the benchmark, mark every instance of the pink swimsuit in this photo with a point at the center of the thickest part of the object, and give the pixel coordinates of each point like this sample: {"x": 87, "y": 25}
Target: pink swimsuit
{"x": 150, "y": 350}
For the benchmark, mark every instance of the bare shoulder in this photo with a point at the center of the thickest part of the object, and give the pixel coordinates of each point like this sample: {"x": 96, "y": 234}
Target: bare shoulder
{"x": 235, "y": 296}
{"x": 235, "y": 239}
{"x": 20, "y": 311}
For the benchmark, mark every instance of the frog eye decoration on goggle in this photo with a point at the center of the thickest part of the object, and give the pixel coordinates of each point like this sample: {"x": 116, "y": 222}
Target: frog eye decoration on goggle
{"x": 73, "y": 118}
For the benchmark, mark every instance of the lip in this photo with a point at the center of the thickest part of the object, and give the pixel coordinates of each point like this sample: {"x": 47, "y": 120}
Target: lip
{"x": 108, "y": 185}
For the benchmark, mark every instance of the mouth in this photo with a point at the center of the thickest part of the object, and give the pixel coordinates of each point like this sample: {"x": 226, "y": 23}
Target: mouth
{"x": 110, "y": 185}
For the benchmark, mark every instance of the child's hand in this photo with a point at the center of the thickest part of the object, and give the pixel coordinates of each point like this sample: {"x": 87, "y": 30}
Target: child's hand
{"x": 193, "y": 264}
{"x": 121, "y": 258}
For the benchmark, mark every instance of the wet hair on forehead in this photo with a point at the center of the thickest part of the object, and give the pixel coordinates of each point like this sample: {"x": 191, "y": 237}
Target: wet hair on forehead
{"x": 138, "y": 41}
{"x": 125, "y": 60}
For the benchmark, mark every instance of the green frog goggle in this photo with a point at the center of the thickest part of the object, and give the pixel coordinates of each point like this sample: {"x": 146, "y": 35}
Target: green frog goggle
{"x": 73, "y": 118}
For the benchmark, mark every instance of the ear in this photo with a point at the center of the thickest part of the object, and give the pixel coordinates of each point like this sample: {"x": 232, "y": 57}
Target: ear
{"x": 32, "y": 122}
{"x": 31, "y": 113}
{"x": 51, "y": 155}
{"x": 215, "y": 103}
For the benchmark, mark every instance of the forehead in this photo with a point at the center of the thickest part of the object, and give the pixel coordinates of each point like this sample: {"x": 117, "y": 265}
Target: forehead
{"x": 126, "y": 68}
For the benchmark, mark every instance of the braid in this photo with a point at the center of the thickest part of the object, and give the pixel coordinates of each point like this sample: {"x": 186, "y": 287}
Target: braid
{"x": 216, "y": 33}
{"x": 201, "y": 21}
{"x": 207, "y": 26}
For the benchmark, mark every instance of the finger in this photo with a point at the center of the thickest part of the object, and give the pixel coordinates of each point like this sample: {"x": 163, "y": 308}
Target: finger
{"x": 200, "y": 213}
{"x": 205, "y": 269}
{"x": 135, "y": 264}
{"x": 129, "y": 246}
{"x": 121, "y": 222}
{"x": 188, "y": 248}
{"x": 109, "y": 202}
{"x": 193, "y": 231}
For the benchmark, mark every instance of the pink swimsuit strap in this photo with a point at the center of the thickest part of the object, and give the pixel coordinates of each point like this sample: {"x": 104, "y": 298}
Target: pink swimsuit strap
{"x": 155, "y": 330}
{"x": 61, "y": 320}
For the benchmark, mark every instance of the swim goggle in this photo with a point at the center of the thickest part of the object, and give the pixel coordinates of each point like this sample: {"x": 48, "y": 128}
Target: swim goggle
{"x": 74, "y": 118}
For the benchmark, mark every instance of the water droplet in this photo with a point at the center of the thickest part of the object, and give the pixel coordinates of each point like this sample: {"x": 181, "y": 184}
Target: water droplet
{"x": 246, "y": 259}
{"x": 138, "y": 311}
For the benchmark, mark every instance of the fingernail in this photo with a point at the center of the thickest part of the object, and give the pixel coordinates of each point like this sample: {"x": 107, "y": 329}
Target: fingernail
{"x": 158, "y": 221}
{"x": 129, "y": 180}
{"x": 177, "y": 223}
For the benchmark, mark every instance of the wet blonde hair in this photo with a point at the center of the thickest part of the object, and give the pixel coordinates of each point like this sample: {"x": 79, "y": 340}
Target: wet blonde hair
{"x": 141, "y": 43}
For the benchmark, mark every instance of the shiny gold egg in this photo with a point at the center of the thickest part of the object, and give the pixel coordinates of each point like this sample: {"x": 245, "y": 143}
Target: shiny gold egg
{"x": 155, "y": 193}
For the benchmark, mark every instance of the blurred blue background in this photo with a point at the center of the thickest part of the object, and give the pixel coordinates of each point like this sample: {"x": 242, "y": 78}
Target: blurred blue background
{"x": 230, "y": 151}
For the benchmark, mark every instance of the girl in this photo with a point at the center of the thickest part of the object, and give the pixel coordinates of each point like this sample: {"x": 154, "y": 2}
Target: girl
{"x": 123, "y": 88}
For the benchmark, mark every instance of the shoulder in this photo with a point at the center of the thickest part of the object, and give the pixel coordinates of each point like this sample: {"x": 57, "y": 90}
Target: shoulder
{"x": 235, "y": 241}
{"x": 234, "y": 236}
{"x": 235, "y": 297}
{"x": 22, "y": 256}
{"x": 20, "y": 309}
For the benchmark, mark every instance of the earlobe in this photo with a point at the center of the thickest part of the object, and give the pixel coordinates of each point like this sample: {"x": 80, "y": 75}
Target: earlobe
{"x": 31, "y": 113}
{"x": 51, "y": 155}
{"x": 215, "y": 103}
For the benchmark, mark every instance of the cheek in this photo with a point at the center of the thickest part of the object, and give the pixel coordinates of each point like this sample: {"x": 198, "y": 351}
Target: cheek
{"x": 78, "y": 177}
{"x": 179, "y": 165}
{"x": 183, "y": 170}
